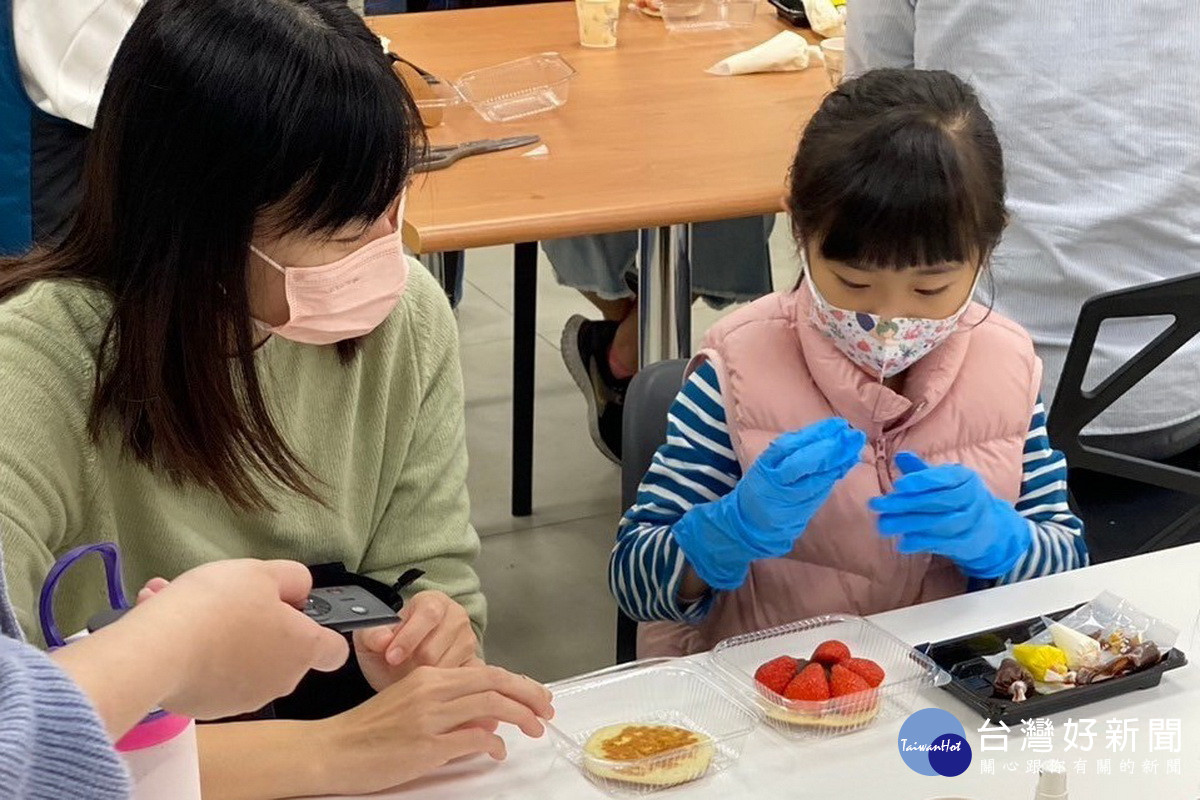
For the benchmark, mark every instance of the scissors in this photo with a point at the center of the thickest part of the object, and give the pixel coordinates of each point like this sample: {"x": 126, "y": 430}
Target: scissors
{"x": 116, "y": 594}
{"x": 442, "y": 156}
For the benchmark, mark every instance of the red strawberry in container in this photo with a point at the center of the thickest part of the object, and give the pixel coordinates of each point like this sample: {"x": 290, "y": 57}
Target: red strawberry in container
{"x": 834, "y": 691}
{"x": 810, "y": 685}
{"x": 859, "y": 696}
{"x": 777, "y": 673}
{"x": 866, "y": 669}
{"x": 831, "y": 652}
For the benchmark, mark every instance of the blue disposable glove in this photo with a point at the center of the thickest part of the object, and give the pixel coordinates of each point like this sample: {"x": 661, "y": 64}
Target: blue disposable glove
{"x": 771, "y": 505}
{"x": 948, "y": 510}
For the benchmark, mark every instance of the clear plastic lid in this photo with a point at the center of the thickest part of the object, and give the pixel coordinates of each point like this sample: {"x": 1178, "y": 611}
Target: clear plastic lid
{"x": 518, "y": 88}
{"x": 654, "y": 692}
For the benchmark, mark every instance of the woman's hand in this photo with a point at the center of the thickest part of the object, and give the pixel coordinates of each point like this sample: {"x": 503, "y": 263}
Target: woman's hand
{"x": 220, "y": 639}
{"x": 434, "y": 631}
{"x": 427, "y": 719}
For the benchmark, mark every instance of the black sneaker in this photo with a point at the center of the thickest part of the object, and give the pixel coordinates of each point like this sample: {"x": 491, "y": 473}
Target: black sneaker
{"x": 585, "y": 346}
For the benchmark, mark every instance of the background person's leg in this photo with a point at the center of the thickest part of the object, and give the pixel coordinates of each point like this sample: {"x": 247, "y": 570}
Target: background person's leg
{"x": 731, "y": 262}
{"x": 596, "y": 266}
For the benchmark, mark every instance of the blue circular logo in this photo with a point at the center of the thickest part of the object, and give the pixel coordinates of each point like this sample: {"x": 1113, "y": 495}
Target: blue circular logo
{"x": 933, "y": 742}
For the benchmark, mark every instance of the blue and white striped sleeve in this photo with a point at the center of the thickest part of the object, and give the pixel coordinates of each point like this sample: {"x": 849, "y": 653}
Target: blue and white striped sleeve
{"x": 1058, "y": 544}
{"x": 696, "y": 465}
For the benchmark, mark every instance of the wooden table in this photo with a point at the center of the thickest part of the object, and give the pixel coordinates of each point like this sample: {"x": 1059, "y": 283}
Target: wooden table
{"x": 647, "y": 141}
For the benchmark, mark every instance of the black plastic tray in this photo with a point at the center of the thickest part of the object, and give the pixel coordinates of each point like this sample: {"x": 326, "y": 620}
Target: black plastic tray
{"x": 971, "y": 676}
{"x": 791, "y": 12}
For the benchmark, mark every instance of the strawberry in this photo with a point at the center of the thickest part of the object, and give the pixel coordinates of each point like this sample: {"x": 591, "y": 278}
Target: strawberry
{"x": 777, "y": 673}
{"x": 810, "y": 684}
{"x": 843, "y": 682}
{"x": 866, "y": 669}
{"x": 831, "y": 652}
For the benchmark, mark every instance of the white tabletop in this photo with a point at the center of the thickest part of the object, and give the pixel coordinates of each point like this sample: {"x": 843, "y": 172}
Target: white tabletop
{"x": 867, "y": 764}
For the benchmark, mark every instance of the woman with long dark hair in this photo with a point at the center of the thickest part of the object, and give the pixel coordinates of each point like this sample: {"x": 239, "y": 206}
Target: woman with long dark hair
{"x": 229, "y": 355}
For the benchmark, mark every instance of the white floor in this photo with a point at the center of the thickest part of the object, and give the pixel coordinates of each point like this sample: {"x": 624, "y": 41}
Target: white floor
{"x": 551, "y": 614}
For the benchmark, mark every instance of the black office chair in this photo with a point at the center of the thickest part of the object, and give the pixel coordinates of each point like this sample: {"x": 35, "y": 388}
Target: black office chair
{"x": 644, "y": 428}
{"x": 1129, "y": 505}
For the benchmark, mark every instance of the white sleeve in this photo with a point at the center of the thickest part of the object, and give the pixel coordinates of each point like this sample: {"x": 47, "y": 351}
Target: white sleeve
{"x": 879, "y": 33}
{"x": 65, "y": 49}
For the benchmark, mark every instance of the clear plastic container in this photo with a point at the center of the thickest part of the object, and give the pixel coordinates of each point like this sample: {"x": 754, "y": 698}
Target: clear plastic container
{"x": 518, "y": 88}
{"x": 708, "y": 15}
{"x": 433, "y": 109}
{"x": 661, "y": 691}
{"x": 907, "y": 672}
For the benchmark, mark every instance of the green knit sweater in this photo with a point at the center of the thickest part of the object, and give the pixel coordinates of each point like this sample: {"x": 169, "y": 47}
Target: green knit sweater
{"x": 384, "y": 434}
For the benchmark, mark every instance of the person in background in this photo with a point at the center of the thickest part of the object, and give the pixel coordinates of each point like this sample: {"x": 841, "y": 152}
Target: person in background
{"x": 1095, "y": 104}
{"x": 731, "y": 262}
{"x": 873, "y": 438}
{"x": 54, "y": 59}
{"x": 228, "y": 355}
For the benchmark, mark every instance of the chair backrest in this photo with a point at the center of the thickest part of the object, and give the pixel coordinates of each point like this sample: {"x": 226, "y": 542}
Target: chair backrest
{"x": 1074, "y": 407}
{"x": 644, "y": 429}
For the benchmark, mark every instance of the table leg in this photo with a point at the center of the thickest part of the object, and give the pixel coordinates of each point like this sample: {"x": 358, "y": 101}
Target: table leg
{"x": 682, "y": 234}
{"x": 664, "y": 293}
{"x": 524, "y": 340}
{"x": 452, "y": 275}
{"x": 447, "y": 270}
{"x": 436, "y": 264}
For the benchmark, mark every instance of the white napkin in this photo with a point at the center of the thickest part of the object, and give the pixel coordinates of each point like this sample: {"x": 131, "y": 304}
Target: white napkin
{"x": 782, "y": 53}
{"x": 825, "y": 18}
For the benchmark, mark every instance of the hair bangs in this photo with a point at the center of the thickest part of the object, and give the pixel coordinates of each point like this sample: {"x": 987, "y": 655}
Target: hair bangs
{"x": 903, "y": 204}
{"x": 346, "y": 141}
{"x": 899, "y": 169}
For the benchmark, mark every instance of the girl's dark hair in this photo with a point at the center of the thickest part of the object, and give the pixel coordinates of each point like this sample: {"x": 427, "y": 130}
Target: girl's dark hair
{"x": 899, "y": 168}
{"x": 214, "y": 113}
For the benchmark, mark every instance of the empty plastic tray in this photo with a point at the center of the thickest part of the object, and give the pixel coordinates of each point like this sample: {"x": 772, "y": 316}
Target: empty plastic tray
{"x": 518, "y": 88}
{"x": 444, "y": 96}
{"x": 707, "y": 15}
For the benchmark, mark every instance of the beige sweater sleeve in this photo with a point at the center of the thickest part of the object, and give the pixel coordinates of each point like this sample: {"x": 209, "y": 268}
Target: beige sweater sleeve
{"x": 47, "y": 462}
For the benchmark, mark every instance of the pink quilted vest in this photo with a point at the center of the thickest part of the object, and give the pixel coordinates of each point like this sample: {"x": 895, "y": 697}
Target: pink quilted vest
{"x": 969, "y": 402}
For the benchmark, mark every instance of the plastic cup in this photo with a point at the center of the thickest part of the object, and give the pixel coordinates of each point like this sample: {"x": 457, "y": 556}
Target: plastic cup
{"x": 598, "y": 22}
{"x": 833, "y": 50}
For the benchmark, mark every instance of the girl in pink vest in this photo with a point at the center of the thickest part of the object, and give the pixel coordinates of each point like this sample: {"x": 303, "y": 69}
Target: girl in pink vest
{"x": 873, "y": 438}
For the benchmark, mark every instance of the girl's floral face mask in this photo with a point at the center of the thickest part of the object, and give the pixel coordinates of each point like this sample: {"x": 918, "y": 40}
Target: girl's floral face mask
{"x": 882, "y": 347}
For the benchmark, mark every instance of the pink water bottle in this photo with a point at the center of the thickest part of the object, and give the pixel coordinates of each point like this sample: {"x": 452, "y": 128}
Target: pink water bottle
{"x": 162, "y": 758}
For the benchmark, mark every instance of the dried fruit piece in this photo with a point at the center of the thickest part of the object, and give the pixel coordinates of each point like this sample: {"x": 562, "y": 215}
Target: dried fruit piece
{"x": 1040, "y": 659}
{"x": 1081, "y": 650}
{"x": 1145, "y": 655}
{"x": 1013, "y": 680}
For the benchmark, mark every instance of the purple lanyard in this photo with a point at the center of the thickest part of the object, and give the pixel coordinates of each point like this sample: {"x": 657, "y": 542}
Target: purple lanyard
{"x": 112, "y": 570}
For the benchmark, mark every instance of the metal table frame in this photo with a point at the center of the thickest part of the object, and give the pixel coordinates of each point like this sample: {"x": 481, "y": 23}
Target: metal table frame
{"x": 664, "y": 328}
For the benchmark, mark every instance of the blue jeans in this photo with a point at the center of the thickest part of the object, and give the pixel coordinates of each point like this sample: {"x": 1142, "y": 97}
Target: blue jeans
{"x": 385, "y": 6}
